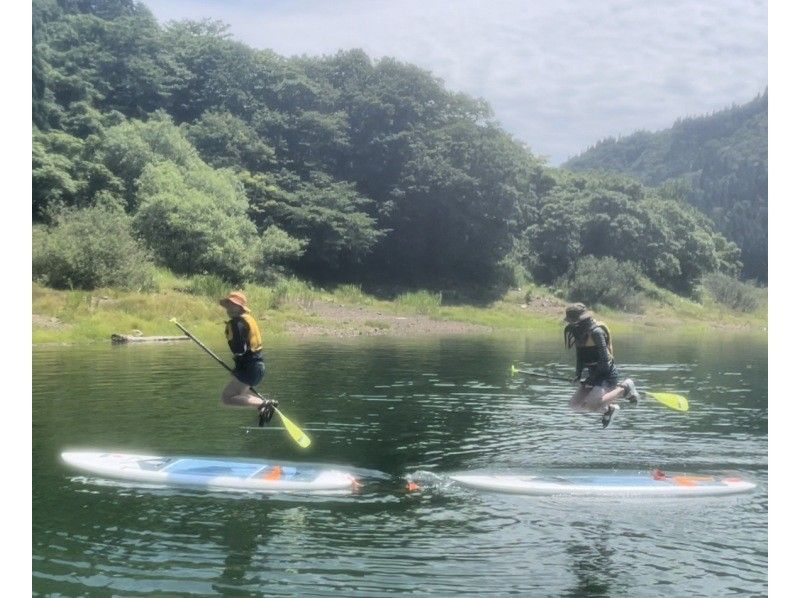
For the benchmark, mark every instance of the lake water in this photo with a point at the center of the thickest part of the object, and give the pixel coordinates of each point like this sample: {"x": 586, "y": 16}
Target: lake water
{"x": 394, "y": 409}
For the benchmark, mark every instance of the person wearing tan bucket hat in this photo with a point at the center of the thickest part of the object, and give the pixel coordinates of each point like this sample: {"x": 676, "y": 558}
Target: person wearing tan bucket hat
{"x": 593, "y": 351}
{"x": 244, "y": 340}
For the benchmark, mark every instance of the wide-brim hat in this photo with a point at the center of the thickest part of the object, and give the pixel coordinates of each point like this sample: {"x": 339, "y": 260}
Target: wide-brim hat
{"x": 577, "y": 312}
{"x": 236, "y": 298}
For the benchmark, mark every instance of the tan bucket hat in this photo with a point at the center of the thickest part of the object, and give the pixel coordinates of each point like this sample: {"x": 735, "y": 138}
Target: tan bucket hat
{"x": 237, "y": 298}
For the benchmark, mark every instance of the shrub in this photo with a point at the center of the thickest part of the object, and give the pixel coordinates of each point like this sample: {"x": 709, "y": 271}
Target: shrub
{"x": 290, "y": 290}
{"x": 208, "y": 285}
{"x": 738, "y": 295}
{"x": 603, "y": 281}
{"x": 278, "y": 250}
{"x": 195, "y": 221}
{"x": 420, "y": 302}
{"x": 91, "y": 248}
{"x": 351, "y": 294}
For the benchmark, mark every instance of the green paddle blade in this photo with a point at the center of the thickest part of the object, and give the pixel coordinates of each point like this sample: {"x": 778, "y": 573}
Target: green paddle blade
{"x": 673, "y": 401}
{"x": 296, "y": 433}
{"x": 513, "y": 369}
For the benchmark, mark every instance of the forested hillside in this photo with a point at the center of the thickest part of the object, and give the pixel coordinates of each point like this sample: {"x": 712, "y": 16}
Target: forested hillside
{"x": 717, "y": 162}
{"x": 179, "y": 147}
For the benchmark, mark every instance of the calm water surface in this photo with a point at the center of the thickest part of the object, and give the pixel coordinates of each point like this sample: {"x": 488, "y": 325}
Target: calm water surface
{"x": 395, "y": 409}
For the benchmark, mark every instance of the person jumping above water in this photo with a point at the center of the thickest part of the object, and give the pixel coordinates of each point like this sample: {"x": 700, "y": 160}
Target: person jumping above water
{"x": 592, "y": 341}
{"x": 244, "y": 340}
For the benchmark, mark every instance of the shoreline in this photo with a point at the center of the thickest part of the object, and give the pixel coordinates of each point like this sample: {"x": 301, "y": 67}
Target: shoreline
{"x": 75, "y": 317}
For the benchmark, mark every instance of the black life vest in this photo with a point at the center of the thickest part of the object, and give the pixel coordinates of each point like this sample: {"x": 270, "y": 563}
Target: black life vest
{"x": 589, "y": 341}
{"x": 585, "y": 345}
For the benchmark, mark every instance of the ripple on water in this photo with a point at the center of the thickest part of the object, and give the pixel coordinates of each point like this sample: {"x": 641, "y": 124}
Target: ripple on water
{"x": 366, "y": 407}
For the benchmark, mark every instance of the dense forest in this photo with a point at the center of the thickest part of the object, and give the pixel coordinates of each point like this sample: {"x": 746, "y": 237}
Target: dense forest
{"x": 718, "y": 163}
{"x": 176, "y": 146}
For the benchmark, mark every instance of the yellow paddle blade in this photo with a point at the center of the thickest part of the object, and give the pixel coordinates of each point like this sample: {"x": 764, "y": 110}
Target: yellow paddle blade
{"x": 296, "y": 433}
{"x": 673, "y": 401}
{"x": 513, "y": 369}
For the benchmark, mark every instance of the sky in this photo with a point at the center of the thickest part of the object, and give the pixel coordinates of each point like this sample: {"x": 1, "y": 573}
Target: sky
{"x": 559, "y": 75}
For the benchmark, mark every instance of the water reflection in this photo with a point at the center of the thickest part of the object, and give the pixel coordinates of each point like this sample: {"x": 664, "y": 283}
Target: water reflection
{"x": 591, "y": 560}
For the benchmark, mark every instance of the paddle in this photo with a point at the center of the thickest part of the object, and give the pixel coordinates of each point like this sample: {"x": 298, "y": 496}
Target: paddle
{"x": 668, "y": 399}
{"x": 294, "y": 431}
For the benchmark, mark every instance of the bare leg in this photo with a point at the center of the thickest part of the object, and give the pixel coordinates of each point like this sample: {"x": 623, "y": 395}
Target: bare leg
{"x": 578, "y": 400}
{"x": 624, "y": 390}
{"x": 238, "y": 394}
{"x": 588, "y": 398}
{"x": 611, "y": 396}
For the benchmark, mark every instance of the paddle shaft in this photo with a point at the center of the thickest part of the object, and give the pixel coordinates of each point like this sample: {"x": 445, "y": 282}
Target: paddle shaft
{"x": 545, "y": 376}
{"x": 212, "y": 354}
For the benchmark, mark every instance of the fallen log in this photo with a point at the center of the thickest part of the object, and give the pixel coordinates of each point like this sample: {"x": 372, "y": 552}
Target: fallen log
{"x": 126, "y": 338}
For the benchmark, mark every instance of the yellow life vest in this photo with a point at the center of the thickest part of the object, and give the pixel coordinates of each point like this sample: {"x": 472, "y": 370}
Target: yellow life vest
{"x": 254, "y": 333}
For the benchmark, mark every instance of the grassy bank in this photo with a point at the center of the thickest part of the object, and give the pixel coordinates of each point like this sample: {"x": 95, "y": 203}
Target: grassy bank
{"x": 293, "y": 307}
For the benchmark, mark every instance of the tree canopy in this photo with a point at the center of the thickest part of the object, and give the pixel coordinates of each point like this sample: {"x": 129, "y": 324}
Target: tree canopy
{"x": 717, "y": 163}
{"x": 239, "y": 162}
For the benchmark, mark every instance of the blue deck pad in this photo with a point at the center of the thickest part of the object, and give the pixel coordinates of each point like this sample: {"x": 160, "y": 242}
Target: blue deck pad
{"x": 215, "y": 467}
{"x": 154, "y": 464}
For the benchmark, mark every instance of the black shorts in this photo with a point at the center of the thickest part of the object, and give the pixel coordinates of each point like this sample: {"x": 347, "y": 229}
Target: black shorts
{"x": 608, "y": 377}
{"x": 250, "y": 372}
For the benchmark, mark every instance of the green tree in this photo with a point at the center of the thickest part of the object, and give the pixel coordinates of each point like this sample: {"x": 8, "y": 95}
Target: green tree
{"x": 217, "y": 70}
{"x": 717, "y": 163}
{"x": 278, "y": 250}
{"x": 195, "y": 221}
{"x": 126, "y": 149}
{"x": 110, "y": 53}
{"x": 225, "y": 141}
{"x": 56, "y": 181}
{"x": 454, "y": 209}
{"x": 344, "y": 168}
{"x": 90, "y": 248}
{"x": 589, "y": 215}
{"x": 326, "y": 214}
{"x": 603, "y": 281}
{"x": 551, "y": 244}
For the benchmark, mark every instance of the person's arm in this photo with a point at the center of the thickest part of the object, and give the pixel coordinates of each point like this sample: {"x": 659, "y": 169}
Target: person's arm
{"x": 602, "y": 348}
{"x": 240, "y": 336}
{"x": 578, "y": 365}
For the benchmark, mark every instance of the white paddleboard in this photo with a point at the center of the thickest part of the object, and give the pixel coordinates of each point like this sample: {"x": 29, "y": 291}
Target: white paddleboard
{"x": 596, "y": 483}
{"x": 212, "y": 473}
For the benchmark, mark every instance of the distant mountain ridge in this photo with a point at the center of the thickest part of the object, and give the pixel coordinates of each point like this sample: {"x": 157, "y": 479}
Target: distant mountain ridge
{"x": 718, "y": 163}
